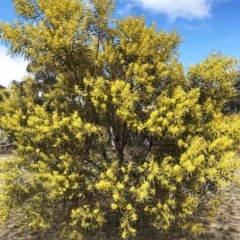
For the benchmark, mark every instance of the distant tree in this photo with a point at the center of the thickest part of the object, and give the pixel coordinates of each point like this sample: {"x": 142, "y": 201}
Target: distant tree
{"x": 1, "y": 88}
{"x": 237, "y": 86}
{"x": 234, "y": 105}
{"x": 2, "y": 135}
{"x": 122, "y": 138}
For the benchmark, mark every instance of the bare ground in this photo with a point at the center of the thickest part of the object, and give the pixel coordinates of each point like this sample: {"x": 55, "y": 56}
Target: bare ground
{"x": 227, "y": 222}
{"x": 225, "y": 227}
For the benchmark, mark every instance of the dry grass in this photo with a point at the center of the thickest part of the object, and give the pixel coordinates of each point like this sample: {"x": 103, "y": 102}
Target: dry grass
{"x": 227, "y": 223}
{"x": 2, "y": 156}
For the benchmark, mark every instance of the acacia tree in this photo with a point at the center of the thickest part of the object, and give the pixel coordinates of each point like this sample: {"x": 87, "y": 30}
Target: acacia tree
{"x": 121, "y": 129}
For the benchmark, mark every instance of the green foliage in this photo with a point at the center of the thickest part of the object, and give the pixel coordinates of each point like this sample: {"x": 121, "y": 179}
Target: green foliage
{"x": 234, "y": 105}
{"x": 120, "y": 129}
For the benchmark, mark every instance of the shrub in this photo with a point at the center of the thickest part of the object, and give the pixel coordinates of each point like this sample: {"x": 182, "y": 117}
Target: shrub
{"x": 122, "y": 137}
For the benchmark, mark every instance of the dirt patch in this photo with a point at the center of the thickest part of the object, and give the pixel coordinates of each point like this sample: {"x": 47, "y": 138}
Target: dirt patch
{"x": 2, "y": 156}
{"x": 227, "y": 223}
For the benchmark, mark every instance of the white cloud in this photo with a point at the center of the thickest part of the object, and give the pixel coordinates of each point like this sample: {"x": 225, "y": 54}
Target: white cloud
{"x": 227, "y": 40}
{"x": 11, "y": 68}
{"x": 187, "y": 9}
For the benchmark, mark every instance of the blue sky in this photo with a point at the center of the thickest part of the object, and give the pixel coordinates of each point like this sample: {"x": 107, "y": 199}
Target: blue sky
{"x": 205, "y": 25}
